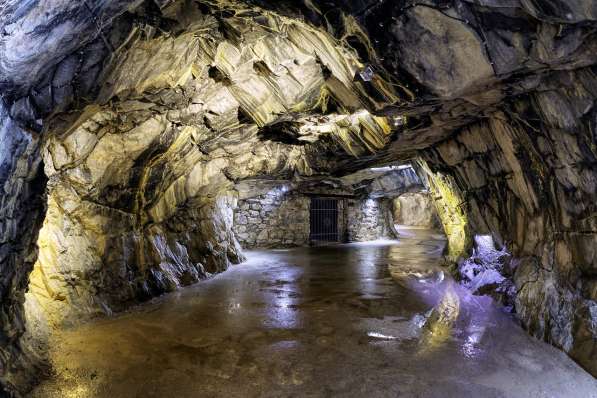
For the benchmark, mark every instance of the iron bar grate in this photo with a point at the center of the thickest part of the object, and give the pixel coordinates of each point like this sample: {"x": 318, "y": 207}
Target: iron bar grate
{"x": 324, "y": 220}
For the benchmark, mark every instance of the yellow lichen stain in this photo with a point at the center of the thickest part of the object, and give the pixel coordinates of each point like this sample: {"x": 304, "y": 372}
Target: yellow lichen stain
{"x": 449, "y": 205}
{"x": 272, "y": 66}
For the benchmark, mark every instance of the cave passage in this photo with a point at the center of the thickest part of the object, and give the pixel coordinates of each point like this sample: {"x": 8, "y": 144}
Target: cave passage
{"x": 232, "y": 198}
{"x": 379, "y": 318}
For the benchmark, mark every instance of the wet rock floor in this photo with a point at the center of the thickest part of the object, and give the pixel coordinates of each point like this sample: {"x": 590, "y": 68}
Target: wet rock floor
{"x": 354, "y": 320}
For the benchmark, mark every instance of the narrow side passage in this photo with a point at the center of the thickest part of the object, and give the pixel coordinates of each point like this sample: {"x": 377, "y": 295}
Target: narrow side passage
{"x": 378, "y": 318}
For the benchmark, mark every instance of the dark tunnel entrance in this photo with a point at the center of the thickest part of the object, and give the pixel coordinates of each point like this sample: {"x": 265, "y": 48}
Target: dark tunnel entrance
{"x": 324, "y": 220}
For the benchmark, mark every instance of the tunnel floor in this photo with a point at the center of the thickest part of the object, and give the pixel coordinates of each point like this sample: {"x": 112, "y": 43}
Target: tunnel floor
{"x": 353, "y": 320}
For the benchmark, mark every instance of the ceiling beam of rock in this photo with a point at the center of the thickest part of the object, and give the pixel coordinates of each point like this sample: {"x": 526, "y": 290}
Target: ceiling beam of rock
{"x": 148, "y": 115}
{"x": 36, "y": 38}
{"x": 385, "y": 182}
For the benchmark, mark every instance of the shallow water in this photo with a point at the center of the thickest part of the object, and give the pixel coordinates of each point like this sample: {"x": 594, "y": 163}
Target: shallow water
{"x": 379, "y": 319}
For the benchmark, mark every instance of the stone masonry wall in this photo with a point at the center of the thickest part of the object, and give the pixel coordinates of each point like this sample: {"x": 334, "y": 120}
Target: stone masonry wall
{"x": 274, "y": 219}
{"x": 280, "y": 219}
{"x": 368, "y": 219}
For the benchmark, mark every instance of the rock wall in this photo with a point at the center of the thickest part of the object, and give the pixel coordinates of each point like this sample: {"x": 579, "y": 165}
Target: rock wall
{"x": 22, "y": 208}
{"x": 415, "y": 209}
{"x": 528, "y": 176}
{"x": 489, "y": 271}
{"x": 274, "y": 219}
{"x": 150, "y": 112}
{"x": 368, "y": 219}
{"x": 449, "y": 204}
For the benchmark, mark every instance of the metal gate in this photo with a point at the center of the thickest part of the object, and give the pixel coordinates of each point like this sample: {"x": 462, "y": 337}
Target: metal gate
{"x": 324, "y": 220}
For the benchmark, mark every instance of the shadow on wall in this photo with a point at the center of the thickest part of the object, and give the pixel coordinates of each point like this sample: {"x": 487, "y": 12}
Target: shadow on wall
{"x": 22, "y": 196}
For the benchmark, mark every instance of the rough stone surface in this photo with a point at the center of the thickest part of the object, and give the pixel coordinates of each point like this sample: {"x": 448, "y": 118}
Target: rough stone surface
{"x": 275, "y": 219}
{"x": 140, "y": 184}
{"x": 148, "y": 113}
{"x": 281, "y": 217}
{"x": 384, "y": 182}
{"x": 415, "y": 209}
{"x": 448, "y": 202}
{"x": 533, "y": 187}
{"x": 489, "y": 271}
{"x": 22, "y": 208}
{"x": 369, "y": 219}
{"x": 453, "y": 62}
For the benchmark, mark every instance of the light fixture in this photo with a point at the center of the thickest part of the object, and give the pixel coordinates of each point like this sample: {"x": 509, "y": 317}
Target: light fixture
{"x": 367, "y": 73}
{"x": 398, "y": 121}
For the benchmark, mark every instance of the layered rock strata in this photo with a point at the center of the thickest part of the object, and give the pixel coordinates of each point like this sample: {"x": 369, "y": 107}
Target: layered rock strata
{"x": 415, "y": 209}
{"x": 147, "y": 113}
{"x": 528, "y": 177}
{"x": 139, "y": 192}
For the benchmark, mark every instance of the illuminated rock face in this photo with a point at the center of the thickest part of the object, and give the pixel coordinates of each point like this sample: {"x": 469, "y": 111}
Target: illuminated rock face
{"x": 534, "y": 190}
{"x": 140, "y": 195}
{"x": 141, "y": 190}
{"x": 148, "y": 114}
{"x": 369, "y": 219}
{"x": 448, "y": 202}
{"x": 273, "y": 219}
{"x": 415, "y": 209}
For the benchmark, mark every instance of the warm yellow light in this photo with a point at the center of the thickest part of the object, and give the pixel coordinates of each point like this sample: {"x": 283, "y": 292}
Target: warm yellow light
{"x": 448, "y": 204}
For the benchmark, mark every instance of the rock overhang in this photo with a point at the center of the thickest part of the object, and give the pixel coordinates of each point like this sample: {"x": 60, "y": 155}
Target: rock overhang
{"x": 189, "y": 99}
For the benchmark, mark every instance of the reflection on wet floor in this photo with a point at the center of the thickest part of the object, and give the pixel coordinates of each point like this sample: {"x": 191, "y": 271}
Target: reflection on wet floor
{"x": 380, "y": 319}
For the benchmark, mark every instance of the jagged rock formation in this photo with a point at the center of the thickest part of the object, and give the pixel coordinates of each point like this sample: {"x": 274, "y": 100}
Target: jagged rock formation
{"x": 489, "y": 271}
{"x": 415, "y": 209}
{"x": 147, "y": 114}
{"x": 532, "y": 186}
{"x": 140, "y": 185}
{"x": 22, "y": 208}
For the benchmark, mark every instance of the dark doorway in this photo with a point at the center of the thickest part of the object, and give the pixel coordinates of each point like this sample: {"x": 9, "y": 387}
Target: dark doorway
{"x": 324, "y": 220}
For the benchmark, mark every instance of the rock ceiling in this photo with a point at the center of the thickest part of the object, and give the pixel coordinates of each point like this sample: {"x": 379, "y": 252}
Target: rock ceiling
{"x": 127, "y": 125}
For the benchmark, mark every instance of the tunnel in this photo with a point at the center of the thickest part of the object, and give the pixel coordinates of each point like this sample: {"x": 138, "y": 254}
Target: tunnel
{"x": 298, "y": 198}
